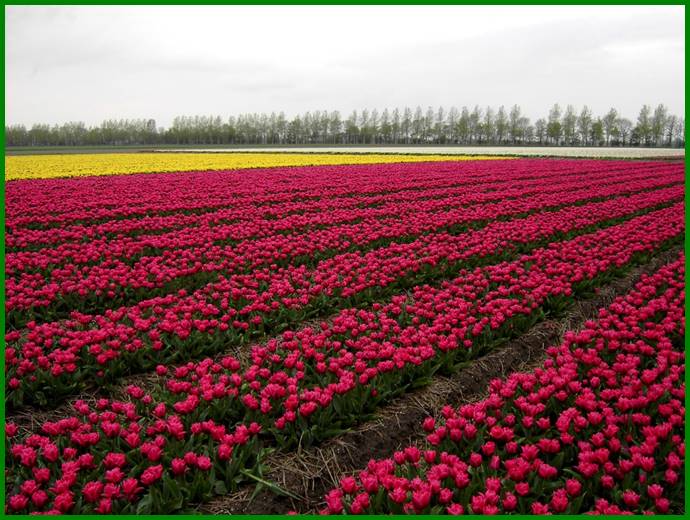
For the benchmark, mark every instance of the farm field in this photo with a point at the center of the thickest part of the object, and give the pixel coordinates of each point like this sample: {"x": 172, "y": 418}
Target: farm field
{"x": 79, "y": 165}
{"x": 210, "y": 332}
{"x": 618, "y": 152}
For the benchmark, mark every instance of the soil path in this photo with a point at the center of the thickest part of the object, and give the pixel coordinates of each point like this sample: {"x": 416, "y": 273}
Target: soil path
{"x": 310, "y": 473}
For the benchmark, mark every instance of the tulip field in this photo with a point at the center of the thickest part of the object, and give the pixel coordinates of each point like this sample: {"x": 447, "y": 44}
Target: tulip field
{"x": 173, "y": 326}
{"x": 608, "y": 402}
{"x": 86, "y": 165}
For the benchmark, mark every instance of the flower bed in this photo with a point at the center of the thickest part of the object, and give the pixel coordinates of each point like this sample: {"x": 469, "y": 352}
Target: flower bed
{"x": 304, "y": 385}
{"x": 180, "y": 326}
{"x": 160, "y": 264}
{"x": 599, "y": 428}
{"x": 324, "y": 293}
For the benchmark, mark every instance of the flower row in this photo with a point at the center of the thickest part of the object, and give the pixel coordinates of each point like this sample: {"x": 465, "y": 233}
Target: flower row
{"x": 56, "y": 357}
{"x": 64, "y": 202}
{"x": 259, "y": 222}
{"x": 169, "y": 447}
{"x": 155, "y": 214}
{"x": 86, "y": 288}
{"x": 19, "y": 167}
{"x": 204, "y": 190}
{"x": 598, "y": 429}
{"x": 179, "y": 265}
{"x": 317, "y": 379}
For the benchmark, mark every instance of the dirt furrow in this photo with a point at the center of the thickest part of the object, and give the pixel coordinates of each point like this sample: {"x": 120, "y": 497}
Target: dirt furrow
{"x": 309, "y": 473}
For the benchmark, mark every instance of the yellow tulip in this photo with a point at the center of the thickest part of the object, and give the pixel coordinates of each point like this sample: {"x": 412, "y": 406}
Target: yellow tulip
{"x": 77, "y": 165}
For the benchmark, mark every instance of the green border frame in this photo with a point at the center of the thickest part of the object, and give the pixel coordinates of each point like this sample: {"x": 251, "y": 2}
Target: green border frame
{"x": 384, "y": 2}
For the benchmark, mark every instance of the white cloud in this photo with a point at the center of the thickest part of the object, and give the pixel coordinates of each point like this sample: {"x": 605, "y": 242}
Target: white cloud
{"x": 94, "y": 62}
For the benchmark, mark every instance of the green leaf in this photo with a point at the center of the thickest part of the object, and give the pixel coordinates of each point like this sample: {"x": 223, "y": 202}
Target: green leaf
{"x": 270, "y": 485}
{"x": 576, "y": 504}
{"x": 219, "y": 488}
{"x": 145, "y": 505}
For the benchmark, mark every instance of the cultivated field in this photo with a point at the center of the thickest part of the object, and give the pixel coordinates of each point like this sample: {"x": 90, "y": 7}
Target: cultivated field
{"x": 534, "y": 151}
{"x": 267, "y": 333}
{"x": 80, "y": 165}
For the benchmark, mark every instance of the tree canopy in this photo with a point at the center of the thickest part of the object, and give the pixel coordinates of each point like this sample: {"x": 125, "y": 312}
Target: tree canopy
{"x": 465, "y": 126}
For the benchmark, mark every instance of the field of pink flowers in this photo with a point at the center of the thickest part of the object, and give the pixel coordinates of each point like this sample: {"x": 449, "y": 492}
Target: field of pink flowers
{"x": 169, "y": 333}
{"x": 598, "y": 428}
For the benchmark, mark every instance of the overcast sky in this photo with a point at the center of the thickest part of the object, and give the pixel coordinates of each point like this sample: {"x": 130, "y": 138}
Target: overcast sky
{"x": 89, "y": 63}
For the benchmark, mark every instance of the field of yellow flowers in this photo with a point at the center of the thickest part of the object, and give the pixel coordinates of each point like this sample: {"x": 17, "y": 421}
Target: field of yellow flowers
{"x": 78, "y": 165}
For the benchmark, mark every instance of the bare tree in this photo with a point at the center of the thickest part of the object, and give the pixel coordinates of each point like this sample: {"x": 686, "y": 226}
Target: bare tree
{"x": 501, "y": 125}
{"x": 475, "y": 123}
{"x": 463, "y": 126}
{"x": 453, "y": 116}
{"x": 624, "y": 127}
{"x": 644, "y": 125}
{"x": 439, "y": 125}
{"x": 395, "y": 126}
{"x": 489, "y": 126}
{"x": 569, "y": 125}
{"x": 406, "y": 126}
{"x": 680, "y": 132}
{"x": 514, "y": 123}
{"x": 609, "y": 122}
{"x": 658, "y": 124}
{"x": 385, "y": 128}
{"x": 584, "y": 124}
{"x": 540, "y": 130}
{"x": 554, "y": 128}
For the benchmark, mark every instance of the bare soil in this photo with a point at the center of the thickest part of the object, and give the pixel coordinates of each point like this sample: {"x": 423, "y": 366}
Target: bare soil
{"x": 310, "y": 473}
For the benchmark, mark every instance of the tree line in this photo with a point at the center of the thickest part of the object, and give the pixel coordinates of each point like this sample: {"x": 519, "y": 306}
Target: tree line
{"x": 477, "y": 126}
